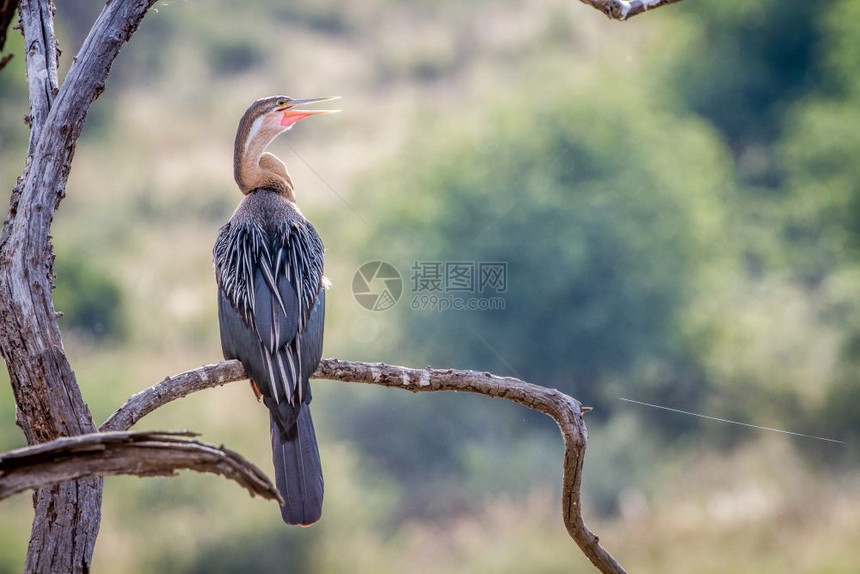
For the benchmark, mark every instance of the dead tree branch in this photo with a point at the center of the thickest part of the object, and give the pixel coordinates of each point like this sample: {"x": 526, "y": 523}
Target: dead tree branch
{"x": 137, "y": 453}
{"x": 563, "y": 409}
{"x": 626, "y": 9}
{"x": 7, "y": 13}
{"x": 170, "y": 389}
{"x": 43, "y": 54}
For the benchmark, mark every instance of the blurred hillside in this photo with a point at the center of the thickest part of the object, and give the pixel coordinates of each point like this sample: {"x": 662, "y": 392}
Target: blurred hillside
{"x": 675, "y": 200}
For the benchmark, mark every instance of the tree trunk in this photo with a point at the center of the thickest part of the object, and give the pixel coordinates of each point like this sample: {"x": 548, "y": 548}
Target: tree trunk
{"x": 49, "y": 400}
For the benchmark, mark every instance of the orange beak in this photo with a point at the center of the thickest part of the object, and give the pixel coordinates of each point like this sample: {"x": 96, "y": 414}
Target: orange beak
{"x": 291, "y": 115}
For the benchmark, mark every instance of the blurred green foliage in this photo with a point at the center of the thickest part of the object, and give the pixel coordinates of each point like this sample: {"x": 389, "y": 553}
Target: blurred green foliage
{"x": 607, "y": 240}
{"x": 90, "y": 300}
{"x": 631, "y": 214}
{"x": 753, "y": 58}
{"x": 608, "y": 214}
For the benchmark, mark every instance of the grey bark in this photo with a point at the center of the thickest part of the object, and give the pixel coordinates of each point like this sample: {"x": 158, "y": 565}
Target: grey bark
{"x": 49, "y": 401}
{"x": 123, "y": 452}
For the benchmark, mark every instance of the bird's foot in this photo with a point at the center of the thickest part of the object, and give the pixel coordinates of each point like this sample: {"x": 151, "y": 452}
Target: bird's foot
{"x": 256, "y": 390}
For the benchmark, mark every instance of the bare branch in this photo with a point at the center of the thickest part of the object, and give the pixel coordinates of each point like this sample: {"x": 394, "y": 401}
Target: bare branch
{"x": 7, "y": 13}
{"x": 62, "y": 117}
{"x": 170, "y": 389}
{"x": 37, "y": 21}
{"x": 564, "y": 410}
{"x": 137, "y": 453}
{"x": 625, "y": 9}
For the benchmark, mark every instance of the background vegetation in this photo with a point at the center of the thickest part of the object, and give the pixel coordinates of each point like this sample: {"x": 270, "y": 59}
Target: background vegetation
{"x": 677, "y": 201}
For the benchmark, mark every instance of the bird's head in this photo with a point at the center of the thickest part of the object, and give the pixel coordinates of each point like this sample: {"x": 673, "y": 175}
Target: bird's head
{"x": 283, "y": 109}
{"x": 268, "y": 117}
{"x": 261, "y": 123}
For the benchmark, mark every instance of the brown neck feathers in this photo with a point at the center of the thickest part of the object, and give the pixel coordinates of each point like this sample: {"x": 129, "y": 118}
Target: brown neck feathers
{"x": 253, "y": 167}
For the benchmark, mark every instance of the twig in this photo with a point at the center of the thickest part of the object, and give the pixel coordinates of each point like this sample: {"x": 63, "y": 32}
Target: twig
{"x": 7, "y": 13}
{"x": 564, "y": 410}
{"x": 137, "y": 453}
{"x": 170, "y": 389}
{"x": 626, "y": 9}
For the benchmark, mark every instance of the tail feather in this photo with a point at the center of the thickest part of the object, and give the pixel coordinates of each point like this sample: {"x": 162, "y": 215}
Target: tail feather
{"x": 298, "y": 472}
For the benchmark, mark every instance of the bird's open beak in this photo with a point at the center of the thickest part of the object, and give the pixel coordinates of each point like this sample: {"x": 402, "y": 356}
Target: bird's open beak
{"x": 292, "y": 115}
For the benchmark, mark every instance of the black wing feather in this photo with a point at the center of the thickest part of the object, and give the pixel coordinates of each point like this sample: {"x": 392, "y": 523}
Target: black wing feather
{"x": 273, "y": 286}
{"x": 271, "y": 310}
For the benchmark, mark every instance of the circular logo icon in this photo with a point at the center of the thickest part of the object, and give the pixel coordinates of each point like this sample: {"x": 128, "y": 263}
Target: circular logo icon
{"x": 377, "y": 285}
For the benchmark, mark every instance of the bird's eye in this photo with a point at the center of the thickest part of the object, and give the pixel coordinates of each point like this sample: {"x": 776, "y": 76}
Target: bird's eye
{"x": 282, "y": 102}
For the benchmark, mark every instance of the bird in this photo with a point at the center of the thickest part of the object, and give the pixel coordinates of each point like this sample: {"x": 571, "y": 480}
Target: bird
{"x": 268, "y": 261}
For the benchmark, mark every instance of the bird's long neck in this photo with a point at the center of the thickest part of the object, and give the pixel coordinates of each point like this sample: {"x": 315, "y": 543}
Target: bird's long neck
{"x": 253, "y": 167}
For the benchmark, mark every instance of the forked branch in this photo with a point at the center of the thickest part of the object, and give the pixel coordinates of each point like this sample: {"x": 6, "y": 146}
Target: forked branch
{"x": 170, "y": 389}
{"x": 136, "y": 453}
{"x": 7, "y": 13}
{"x": 564, "y": 410}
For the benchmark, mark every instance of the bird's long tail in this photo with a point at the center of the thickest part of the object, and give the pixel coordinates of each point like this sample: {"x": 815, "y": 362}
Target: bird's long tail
{"x": 298, "y": 472}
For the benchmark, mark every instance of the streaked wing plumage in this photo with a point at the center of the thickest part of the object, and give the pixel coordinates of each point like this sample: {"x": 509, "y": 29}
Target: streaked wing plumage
{"x": 271, "y": 308}
{"x": 270, "y": 286}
